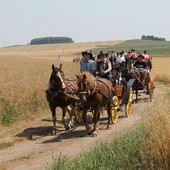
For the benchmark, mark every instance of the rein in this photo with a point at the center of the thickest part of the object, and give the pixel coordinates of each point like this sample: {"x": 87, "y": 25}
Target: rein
{"x": 67, "y": 90}
{"x": 97, "y": 89}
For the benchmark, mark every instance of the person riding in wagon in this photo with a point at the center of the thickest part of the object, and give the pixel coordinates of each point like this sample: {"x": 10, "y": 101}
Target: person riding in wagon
{"x": 147, "y": 59}
{"x": 87, "y": 63}
{"x": 141, "y": 66}
{"x": 103, "y": 66}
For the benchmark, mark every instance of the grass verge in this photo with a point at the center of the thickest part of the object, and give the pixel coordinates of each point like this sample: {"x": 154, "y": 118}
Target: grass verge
{"x": 12, "y": 112}
{"x": 146, "y": 147}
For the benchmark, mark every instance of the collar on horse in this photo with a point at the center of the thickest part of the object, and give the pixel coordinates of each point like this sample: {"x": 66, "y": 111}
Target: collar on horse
{"x": 92, "y": 91}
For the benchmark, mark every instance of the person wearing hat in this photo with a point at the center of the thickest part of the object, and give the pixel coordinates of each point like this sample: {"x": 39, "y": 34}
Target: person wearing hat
{"x": 103, "y": 66}
{"x": 140, "y": 63}
{"x": 141, "y": 66}
{"x": 86, "y": 63}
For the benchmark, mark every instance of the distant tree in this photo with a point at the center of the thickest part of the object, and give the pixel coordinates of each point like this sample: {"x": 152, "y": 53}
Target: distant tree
{"x": 151, "y": 37}
{"x": 51, "y": 40}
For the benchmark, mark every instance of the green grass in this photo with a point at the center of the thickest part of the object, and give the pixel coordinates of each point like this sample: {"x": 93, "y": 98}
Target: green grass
{"x": 11, "y": 112}
{"x": 124, "y": 153}
{"x": 145, "y": 147}
{"x": 156, "y": 48}
{"x": 5, "y": 145}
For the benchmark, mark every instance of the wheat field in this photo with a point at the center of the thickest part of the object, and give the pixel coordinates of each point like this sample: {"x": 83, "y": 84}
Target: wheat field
{"x": 162, "y": 68}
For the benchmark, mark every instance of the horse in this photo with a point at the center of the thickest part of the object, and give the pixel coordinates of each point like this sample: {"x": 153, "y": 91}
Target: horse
{"x": 60, "y": 93}
{"x": 94, "y": 93}
{"x": 149, "y": 82}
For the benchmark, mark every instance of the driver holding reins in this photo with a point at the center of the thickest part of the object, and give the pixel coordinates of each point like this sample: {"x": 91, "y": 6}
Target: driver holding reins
{"x": 141, "y": 66}
{"x": 103, "y": 66}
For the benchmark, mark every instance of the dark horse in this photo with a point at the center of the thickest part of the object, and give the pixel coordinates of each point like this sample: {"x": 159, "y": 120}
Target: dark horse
{"x": 60, "y": 93}
{"x": 94, "y": 94}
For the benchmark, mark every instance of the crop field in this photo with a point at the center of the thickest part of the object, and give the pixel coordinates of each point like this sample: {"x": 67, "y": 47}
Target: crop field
{"x": 162, "y": 68}
{"x": 154, "y": 48}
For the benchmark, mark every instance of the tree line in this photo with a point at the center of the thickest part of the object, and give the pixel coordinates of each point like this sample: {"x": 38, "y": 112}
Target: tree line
{"x": 51, "y": 40}
{"x": 151, "y": 37}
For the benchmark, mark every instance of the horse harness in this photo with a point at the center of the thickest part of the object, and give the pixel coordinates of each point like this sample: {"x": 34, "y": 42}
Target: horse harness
{"x": 97, "y": 89}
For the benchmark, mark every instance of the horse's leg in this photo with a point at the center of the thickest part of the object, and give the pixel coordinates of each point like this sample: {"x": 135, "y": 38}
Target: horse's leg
{"x": 96, "y": 117}
{"x": 64, "y": 119}
{"x": 109, "y": 113}
{"x": 136, "y": 91}
{"x": 54, "y": 131}
{"x": 70, "y": 112}
{"x": 88, "y": 129}
{"x": 147, "y": 85}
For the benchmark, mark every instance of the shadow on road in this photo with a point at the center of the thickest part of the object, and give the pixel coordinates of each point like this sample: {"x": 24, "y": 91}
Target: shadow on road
{"x": 66, "y": 135}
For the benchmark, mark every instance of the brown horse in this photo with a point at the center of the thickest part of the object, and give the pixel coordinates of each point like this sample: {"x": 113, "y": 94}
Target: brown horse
{"x": 149, "y": 82}
{"x": 60, "y": 93}
{"x": 94, "y": 94}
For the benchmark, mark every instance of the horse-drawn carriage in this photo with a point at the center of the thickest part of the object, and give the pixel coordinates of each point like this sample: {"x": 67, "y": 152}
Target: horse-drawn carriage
{"x": 89, "y": 93}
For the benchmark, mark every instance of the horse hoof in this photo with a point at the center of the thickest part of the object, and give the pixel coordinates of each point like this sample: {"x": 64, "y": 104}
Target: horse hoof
{"x": 67, "y": 127}
{"x": 109, "y": 127}
{"x": 89, "y": 132}
{"x": 72, "y": 126}
{"x": 94, "y": 134}
{"x": 54, "y": 132}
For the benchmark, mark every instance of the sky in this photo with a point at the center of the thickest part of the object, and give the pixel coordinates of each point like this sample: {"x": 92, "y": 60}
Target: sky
{"x": 82, "y": 20}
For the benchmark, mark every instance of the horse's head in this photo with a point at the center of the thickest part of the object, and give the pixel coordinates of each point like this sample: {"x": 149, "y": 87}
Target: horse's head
{"x": 86, "y": 83}
{"x": 56, "y": 82}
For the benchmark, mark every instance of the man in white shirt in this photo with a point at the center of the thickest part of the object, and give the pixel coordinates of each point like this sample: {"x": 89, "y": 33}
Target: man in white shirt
{"x": 120, "y": 58}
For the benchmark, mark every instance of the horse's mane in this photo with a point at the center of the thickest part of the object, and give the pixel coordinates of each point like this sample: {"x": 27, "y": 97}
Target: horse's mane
{"x": 89, "y": 78}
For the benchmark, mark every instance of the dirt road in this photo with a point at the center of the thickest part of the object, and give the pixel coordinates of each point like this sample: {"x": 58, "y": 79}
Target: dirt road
{"x": 38, "y": 151}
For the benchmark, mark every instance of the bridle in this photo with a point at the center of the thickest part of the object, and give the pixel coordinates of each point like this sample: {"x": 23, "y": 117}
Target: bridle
{"x": 57, "y": 84}
{"x": 85, "y": 90}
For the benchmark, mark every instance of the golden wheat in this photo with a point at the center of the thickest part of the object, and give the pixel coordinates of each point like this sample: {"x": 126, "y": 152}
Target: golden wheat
{"x": 162, "y": 68}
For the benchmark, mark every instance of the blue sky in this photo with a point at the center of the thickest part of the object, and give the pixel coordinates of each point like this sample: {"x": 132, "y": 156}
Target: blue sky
{"x": 82, "y": 20}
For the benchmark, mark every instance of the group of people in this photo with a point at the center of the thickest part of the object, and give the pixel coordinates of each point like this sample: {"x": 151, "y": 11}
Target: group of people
{"x": 104, "y": 64}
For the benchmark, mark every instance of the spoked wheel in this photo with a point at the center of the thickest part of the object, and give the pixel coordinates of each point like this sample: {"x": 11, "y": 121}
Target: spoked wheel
{"x": 128, "y": 106}
{"x": 115, "y": 112}
{"x": 78, "y": 113}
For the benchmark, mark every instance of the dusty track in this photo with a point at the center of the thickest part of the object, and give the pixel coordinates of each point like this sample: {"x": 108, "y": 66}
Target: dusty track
{"x": 38, "y": 152}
